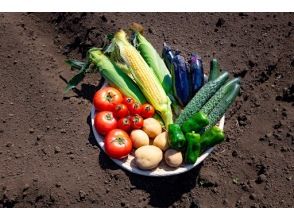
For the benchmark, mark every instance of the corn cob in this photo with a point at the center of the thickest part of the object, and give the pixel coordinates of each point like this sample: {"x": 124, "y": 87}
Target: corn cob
{"x": 123, "y": 68}
{"x": 153, "y": 60}
{"x": 143, "y": 76}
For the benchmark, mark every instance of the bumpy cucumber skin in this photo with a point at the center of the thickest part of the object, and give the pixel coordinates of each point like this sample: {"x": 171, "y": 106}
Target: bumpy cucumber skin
{"x": 214, "y": 70}
{"x": 220, "y": 109}
{"x": 201, "y": 97}
{"x": 219, "y": 95}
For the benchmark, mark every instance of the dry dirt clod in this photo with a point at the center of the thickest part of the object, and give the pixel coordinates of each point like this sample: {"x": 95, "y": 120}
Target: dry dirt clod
{"x": 82, "y": 194}
{"x": 261, "y": 178}
{"x": 57, "y": 149}
{"x": 9, "y": 144}
{"x": 220, "y": 22}
{"x": 252, "y": 196}
{"x": 225, "y": 202}
{"x": 103, "y": 18}
{"x": 245, "y": 187}
{"x": 234, "y": 153}
{"x": 26, "y": 187}
{"x": 39, "y": 137}
{"x": 208, "y": 179}
{"x": 17, "y": 156}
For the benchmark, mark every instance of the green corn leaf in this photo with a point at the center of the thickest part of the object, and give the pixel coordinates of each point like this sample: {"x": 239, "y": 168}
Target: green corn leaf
{"x": 75, "y": 64}
{"x": 77, "y": 78}
{"x": 110, "y": 36}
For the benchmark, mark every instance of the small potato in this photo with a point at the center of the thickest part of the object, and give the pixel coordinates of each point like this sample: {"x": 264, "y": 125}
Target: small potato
{"x": 152, "y": 127}
{"x": 161, "y": 141}
{"x": 148, "y": 157}
{"x": 139, "y": 138}
{"x": 173, "y": 158}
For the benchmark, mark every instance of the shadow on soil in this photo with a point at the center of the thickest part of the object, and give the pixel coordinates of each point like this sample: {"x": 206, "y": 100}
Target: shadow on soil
{"x": 165, "y": 191}
{"x": 86, "y": 91}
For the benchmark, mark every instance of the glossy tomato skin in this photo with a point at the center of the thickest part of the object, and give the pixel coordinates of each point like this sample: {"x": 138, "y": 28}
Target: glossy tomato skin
{"x": 128, "y": 101}
{"x": 121, "y": 110}
{"x": 136, "y": 108}
{"x": 147, "y": 111}
{"x": 104, "y": 122}
{"x": 107, "y": 98}
{"x": 136, "y": 122}
{"x": 117, "y": 144}
{"x": 124, "y": 124}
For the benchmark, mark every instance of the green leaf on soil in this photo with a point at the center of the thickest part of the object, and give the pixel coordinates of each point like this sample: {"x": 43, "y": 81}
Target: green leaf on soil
{"x": 75, "y": 64}
{"x": 77, "y": 78}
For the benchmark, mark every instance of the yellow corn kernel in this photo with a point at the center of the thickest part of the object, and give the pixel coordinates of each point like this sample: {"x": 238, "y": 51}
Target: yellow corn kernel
{"x": 144, "y": 77}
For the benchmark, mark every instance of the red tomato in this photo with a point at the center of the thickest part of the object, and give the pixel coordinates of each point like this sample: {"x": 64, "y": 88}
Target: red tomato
{"x": 147, "y": 111}
{"x": 136, "y": 122}
{"x": 107, "y": 98}
{"x": 124, "y": 124}
{"x": 121, "y": 110}
{"x": 128, "y": 101}
{"x": 118, "y": 144}
{"x": 104, "y": 122}
{"x": 136, "y": 108}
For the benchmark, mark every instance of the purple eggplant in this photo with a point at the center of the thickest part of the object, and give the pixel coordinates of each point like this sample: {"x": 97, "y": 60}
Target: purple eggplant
{"x": 168, "y": 55}
{"x": 180, "y": 74}
{"x": 197, "y": 74}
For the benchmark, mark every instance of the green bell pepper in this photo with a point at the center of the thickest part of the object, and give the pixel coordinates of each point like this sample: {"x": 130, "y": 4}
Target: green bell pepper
{"x": 176, "y": 137}
{"x": 198, "y": 121}
{"x": 193, "y": 147}
{"x": 211, "y": 137}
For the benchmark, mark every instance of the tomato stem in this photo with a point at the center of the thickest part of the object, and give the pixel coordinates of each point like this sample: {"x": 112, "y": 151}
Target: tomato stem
{"x": 119, "y": 140}
{"x": 108, "y": 116}
{"x": 109, "y": 96}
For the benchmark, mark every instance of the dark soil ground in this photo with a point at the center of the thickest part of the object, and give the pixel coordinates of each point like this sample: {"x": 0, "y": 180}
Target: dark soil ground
{"x": 49, "y": 157}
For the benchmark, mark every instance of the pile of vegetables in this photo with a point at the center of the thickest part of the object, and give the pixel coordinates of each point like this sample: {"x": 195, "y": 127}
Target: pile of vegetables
{"x": 157, "y": 106}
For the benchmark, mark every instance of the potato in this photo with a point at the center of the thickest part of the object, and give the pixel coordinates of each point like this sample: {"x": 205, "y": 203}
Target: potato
{"x": 161, "y": 141}
{"x": 139, "y": 138}
{"x": 148, "y": 157}
{"x": 152, "y": 127}
{"x": 173, "y": 158}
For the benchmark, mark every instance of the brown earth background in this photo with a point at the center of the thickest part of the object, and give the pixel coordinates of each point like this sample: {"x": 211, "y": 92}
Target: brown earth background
{"x": 49, "y": 157}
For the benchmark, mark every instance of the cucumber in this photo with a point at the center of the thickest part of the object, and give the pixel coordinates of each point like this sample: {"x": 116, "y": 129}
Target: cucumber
{"x": 220, "y": 109}
{"x": 201, "y": 97}
{"x": 219, "y": 95}
{"x": 214, "y": 70}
